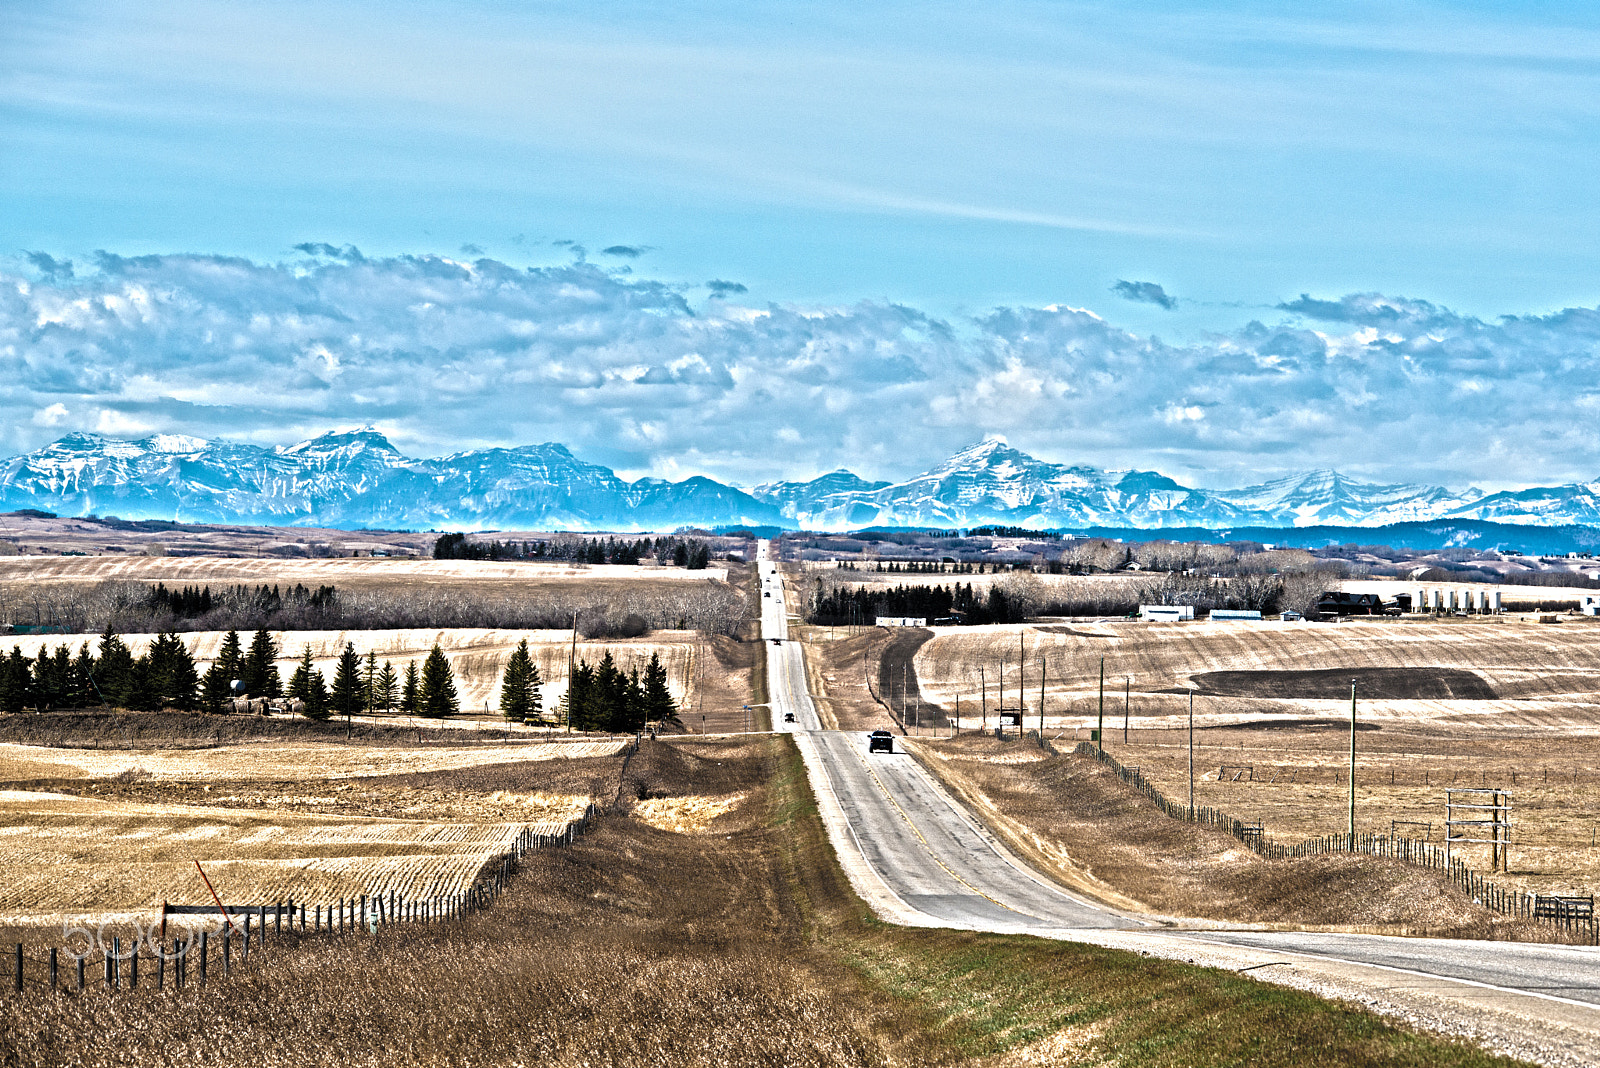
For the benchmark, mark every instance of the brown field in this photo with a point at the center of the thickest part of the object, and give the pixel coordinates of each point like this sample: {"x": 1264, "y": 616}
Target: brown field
{"x": 71, "y": 856}
{"x": 344, "y": 571}
{"x": 243, "y": 763}
{"x": 648, "y": 947}
{"x": 1266, "y": 703}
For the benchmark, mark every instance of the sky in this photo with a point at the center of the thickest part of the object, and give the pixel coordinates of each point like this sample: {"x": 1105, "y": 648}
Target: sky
{"x": 1222, "y": 241}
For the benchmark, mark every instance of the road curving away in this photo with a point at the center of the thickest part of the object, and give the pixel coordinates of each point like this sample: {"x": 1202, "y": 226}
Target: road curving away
{"x": 920, "y": 859}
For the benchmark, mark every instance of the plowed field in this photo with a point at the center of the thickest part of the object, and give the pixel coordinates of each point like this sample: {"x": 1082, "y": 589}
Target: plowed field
{"x": 66, "y": 856}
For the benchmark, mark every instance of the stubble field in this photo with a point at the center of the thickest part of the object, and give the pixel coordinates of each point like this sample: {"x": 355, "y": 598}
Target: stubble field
{"x": 1502, "y": 704}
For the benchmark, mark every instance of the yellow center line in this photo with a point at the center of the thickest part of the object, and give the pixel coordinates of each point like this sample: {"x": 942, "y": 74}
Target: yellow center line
{"x": 914, "y": 830}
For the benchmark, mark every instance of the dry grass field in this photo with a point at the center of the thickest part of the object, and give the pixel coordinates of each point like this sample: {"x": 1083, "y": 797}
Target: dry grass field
{"x": 271, "y": 762}
{"x": 70, "y": 856}
{"x": 1506, "y": 704}
{"x": 344, "y": 571}
{"x": 644, "y": 947}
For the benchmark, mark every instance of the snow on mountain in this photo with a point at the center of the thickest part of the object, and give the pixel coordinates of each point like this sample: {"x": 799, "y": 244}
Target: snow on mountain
{"x": 358, "y": 478}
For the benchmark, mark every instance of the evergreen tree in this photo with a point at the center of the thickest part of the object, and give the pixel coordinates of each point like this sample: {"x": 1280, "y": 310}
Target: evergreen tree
{"x": 607, "y": 696}
{"x": 579, "y": 698}
{"x": 142, "y": 693}
{"x": 519, "y": 694}
{"x": 411, "y": 690}
{"x": 114, "y": 670}
{"x": 629, "y": 715}
{"x": 436, "y": 696}
{"x": 658, "y": 703}
{"x": 369, "y": 683}
{"x": 259, "y": 673}
{"x": 84, "y": 694}
{"x": 172, "y": 674}
{"x": 349, "y": 691}
{"x": 216, "y": 688}
{"x": 386, "y": 691}
{"x": 16, "y": 681}
{"x": 231, "y": 655}
{"x": 307, "y": 684}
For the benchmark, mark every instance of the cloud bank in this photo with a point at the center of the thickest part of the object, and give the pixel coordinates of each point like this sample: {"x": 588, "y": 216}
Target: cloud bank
{"x": 1144, "y": 293}
{"x": 445, "y": 354}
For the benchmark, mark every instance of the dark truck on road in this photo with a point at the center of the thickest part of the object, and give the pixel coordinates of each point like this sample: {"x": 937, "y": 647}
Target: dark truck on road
{"x": 880, "y": 742}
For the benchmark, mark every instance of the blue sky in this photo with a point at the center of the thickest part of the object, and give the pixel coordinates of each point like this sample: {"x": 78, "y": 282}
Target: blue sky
{"x": 1180, "y": 171}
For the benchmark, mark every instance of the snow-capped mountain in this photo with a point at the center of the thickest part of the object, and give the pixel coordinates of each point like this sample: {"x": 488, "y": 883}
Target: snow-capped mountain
{"x": 359, "y": 479}
{"x": 991, "y": 482}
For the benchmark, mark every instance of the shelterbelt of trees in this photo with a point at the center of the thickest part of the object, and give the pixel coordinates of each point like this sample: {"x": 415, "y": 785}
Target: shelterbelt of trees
{"x": 690, "y": 553}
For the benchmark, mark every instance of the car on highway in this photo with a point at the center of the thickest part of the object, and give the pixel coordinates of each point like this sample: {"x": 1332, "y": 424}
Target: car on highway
{"x": 788, "y": 717}
{"x": 880, "y": 742}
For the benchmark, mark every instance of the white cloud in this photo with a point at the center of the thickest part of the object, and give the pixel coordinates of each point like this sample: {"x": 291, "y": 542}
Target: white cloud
{"x": 627, "y": 373}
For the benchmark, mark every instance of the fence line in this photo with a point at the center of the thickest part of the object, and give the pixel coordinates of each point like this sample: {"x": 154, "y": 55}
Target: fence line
{"x": 1572, "y": 914}
{"x": 250, "y": 926}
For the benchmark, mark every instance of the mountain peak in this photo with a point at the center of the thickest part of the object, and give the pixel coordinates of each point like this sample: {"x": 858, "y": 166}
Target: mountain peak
{"x": 364, "y": 437}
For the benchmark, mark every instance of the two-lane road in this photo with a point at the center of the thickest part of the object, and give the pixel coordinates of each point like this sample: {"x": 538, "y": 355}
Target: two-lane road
{"x": 919, "y": 858}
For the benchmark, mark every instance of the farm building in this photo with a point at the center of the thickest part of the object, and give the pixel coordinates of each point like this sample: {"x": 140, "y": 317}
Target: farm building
{"x": 1225, "y": 615}
{"x": 901, "y": 621}
{"x": 1165, "y": 613}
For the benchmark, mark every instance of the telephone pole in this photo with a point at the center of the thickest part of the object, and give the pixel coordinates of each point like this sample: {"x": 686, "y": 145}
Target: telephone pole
{"x": 1100, "y": 734}
{"x": 1191, "y": 754}
{"x": 1352, "y": 763}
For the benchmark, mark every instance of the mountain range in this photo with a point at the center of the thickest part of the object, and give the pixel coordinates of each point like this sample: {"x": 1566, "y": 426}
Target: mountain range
{"x": 358, "y": 478}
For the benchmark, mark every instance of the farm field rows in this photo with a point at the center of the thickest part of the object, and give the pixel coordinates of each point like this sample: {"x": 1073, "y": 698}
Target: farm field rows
{"x": 273, "y": 761}
{"x": 338, "y": 571}
{"x": 68, "y": 856}
{"x": 1272, "y": 711}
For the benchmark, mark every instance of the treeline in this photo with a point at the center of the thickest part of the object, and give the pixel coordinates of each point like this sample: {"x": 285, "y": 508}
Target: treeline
{"x": 604, "y": 698}
{"x": 844, "y": 605}
{"x": 192, "y": 602}
{"x": 1014, "y": 532}
{"x": 166, "y": 677}
{"x": 617, "y": 611}
{"x": 690, "y": 553}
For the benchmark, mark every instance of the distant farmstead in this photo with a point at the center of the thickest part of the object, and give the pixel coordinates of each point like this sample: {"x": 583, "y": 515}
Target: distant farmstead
{"x": 902, "y": 621}
{"x": 1166, "y": 613}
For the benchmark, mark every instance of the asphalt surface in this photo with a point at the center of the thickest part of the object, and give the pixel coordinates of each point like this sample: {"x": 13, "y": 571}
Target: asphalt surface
{"x": 903, "y": 833}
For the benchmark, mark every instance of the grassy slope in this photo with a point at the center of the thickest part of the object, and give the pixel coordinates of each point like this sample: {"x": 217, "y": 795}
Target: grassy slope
{"x": 739, "y": 946}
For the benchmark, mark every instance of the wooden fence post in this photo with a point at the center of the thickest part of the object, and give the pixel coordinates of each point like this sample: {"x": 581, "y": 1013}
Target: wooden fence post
{"x": 161, "y": 968}
{"x": 53, "y": 987}
{"x": 203, "y": 955}
{"x": 19, "y": 967}
{"x": 133, "y": 967}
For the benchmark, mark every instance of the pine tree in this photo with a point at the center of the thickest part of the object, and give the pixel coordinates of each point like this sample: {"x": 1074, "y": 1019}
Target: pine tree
{"x": 84, "y": 694}
{"x": 437, "y": 695}
{"x": 114, "y": 669}
{"x": 259, "y": 672}
{"x": 307, "y": 684}
{"x": 579, "y": 699}
{"x": 349, "y": 691}
{"x": 142, "y": 693}
{"x": 16, "y": 681}
{"x": 411, "y": 691}
{"x": 230, "y": 655}
{"x": 369, "y": 683}
{"x": 387, "y": 689}
{"x": 519, "y": 696}
{"x": 658, "y": 703}
{"x": 172, "y": 674}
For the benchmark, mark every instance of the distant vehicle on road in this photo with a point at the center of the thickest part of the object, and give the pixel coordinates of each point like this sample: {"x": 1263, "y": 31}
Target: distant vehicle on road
{"x": 788, "y": 717}
{"x": 880, "y": 742}
{"x": 777, "y": 641}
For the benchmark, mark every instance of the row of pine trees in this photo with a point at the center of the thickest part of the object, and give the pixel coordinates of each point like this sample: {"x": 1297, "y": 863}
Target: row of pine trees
{"x": 602, "y": 697}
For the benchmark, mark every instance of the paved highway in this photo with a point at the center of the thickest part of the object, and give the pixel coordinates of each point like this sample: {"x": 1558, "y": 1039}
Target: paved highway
{"x": 919, "y": 858}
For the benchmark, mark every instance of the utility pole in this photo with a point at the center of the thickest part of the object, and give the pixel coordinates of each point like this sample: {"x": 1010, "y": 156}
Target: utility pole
{"x": 1100, "y": 734}
{"x": 983, "y": 697}
{"x": 1191, "y": 754}
{"x": 1041, "y": 701}
{"x": 1352, "y": 763}
{"x": 1127, "y": 701}
{"x": 1022, "y": 687}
